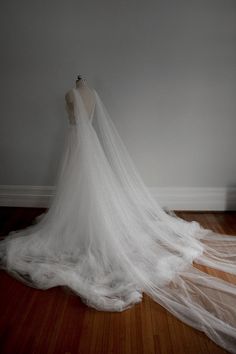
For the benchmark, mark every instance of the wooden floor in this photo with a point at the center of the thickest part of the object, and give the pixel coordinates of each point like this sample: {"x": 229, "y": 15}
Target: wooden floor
{"x": 34, "y": 321}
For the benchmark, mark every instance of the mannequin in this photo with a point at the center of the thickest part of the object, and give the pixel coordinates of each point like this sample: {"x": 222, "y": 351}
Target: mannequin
{"x": 87, "y": 95}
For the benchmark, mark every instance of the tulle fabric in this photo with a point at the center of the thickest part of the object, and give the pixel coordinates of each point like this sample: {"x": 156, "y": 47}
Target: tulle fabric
{"x": 106, "y": 238}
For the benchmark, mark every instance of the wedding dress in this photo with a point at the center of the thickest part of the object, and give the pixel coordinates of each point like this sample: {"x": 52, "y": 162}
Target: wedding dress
{"x": 105, "y": 237}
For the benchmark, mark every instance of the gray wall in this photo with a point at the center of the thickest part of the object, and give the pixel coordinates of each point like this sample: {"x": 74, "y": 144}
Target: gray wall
{"x": 164, "y": 69}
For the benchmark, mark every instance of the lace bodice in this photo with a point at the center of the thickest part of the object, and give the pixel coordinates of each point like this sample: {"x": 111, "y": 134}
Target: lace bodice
{"x": 70, "y": 107}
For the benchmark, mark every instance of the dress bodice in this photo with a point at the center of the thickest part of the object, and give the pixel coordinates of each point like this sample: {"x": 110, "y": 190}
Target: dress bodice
{"x": 78, "y": 100}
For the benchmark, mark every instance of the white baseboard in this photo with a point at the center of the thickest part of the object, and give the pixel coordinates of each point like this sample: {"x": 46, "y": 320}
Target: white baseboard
{"x": 175, "y": 198}
{"x": 26, "y": 196}
{"x": 196, "y": 198}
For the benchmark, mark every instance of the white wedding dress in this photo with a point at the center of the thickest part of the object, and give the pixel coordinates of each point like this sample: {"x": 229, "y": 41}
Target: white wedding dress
{"x": 105, "y": 237}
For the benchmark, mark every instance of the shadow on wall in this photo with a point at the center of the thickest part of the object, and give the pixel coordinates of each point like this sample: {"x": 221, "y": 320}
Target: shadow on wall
{"x": 230, "y": 197}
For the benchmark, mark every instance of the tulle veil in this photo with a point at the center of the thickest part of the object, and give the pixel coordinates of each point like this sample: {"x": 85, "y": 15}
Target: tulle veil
{"x": 106, "y": 238}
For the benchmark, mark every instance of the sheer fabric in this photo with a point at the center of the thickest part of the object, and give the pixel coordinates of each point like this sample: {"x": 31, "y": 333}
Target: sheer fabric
{"x": 106, "y": 238}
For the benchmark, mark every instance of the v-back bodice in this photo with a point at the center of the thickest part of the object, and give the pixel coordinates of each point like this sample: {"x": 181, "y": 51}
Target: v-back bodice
{"x": 79, "y": 105}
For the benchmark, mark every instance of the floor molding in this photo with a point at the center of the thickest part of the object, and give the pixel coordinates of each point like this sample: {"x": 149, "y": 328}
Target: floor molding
{"x": 175, "y": 198}
{"x": 26, "y": 196}
{"x": 196, "y": 198}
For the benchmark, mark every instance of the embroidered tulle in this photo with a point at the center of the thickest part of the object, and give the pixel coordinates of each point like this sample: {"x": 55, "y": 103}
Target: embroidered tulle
{"x": 106, "y": 238}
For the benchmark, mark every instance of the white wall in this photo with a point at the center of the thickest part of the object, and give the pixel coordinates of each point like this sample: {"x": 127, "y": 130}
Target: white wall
{"x": 166, "y": 70}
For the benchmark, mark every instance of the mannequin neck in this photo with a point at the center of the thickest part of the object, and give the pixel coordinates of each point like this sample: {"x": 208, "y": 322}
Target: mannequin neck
{"x": 81, "y": 83}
